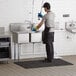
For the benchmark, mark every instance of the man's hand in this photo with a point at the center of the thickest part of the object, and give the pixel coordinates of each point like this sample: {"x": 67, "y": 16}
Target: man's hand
{"x": 34, "y": 28}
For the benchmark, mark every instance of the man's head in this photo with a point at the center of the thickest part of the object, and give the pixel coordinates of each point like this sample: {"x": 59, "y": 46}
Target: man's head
{"x": 46, "y": 6}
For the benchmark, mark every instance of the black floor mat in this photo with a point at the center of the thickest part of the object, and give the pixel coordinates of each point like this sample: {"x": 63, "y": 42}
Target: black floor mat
{"x": 41, "y": 63}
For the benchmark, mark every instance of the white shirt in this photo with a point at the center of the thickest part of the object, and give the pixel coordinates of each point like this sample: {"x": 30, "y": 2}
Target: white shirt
{"x": 49, "y": 20}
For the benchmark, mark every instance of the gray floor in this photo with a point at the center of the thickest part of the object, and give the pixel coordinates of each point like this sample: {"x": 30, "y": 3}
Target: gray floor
{"x": 15, "y": 70}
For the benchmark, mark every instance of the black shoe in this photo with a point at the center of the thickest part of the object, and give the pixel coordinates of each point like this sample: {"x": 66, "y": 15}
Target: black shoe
{"x": 46, "y": 60}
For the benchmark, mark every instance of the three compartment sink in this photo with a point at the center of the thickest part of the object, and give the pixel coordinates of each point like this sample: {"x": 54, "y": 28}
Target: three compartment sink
{"x": 26, "y": 37}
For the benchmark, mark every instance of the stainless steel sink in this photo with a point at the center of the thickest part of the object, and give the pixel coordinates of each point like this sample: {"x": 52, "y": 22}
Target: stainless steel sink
{"x": 71, "y": 27}
{"x": 24, "y": 35}
{"x": 36, "y": 36}
{"x": 20, "y": 37}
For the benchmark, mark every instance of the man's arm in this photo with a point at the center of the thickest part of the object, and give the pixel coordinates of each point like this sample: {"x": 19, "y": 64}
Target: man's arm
{"x": 40, "y": 24}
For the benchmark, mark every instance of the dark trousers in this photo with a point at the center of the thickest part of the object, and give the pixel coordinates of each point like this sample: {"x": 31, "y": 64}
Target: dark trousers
{"x": 48, "y": 39}
{"x": 49, "y": 51}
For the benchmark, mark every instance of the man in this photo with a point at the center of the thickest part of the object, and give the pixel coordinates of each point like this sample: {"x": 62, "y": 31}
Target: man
{"x": 48, "y": 33}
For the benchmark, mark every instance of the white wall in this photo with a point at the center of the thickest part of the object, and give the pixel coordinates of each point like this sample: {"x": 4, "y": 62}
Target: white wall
{"x": 61, "y": 7}
{"x": 65, "y": 43}
{"x": 21, "y": 10}
{"x": 13, "y": 11}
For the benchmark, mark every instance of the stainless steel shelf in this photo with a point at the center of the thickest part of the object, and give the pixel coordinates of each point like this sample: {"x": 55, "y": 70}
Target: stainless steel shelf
{"x": 4, "y": 59}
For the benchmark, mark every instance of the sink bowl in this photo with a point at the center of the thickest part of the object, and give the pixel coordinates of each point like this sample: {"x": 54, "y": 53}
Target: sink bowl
{"x": 36, "y": 36}
{"x": 71, "y": 27}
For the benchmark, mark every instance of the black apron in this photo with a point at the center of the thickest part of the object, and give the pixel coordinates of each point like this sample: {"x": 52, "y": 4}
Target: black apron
{"x": 47, "y": 37}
